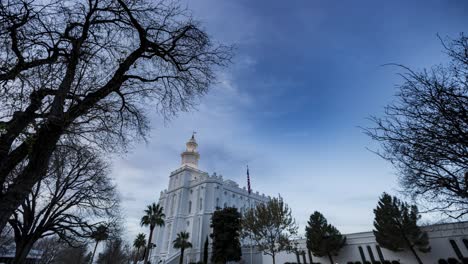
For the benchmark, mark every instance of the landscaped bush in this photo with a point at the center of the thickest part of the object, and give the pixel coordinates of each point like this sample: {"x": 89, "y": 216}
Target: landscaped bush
{"x": 357, "y": 262}
{"x": 350, "y": 262}
{"x": 453, "y": 261}
{"x": 395, "y": 262}
{"x": 442, "y": 261}
{"x": 387, "y": 262}
{"x": 367, "y": 262}
{"x": 377, "y": 262}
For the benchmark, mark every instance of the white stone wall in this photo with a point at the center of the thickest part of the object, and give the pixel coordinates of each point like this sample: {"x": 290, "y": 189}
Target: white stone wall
{"x": 189, "y": 202}
{"x": 439, "y": 238}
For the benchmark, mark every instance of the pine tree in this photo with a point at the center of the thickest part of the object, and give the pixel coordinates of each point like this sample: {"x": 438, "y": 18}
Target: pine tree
{"x": 205, "y": 251}
{"x": 323, "y": 239}
{"x": 396, "y": 226}
{"x": 226, "y": 224}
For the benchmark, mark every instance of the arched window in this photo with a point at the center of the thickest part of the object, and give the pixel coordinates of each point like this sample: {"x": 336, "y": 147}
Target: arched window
{"x": 225, "y": 205}
{"x": 189, "y": 207}
{"x": 217, "y": 202}
{"x": 201, "y": 204}
{"x": 174, "y": 198}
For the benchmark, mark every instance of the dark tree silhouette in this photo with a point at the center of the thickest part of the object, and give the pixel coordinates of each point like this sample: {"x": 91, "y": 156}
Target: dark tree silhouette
{"x": 205, "y": 251}
{"x": 323, "y": 239}
{"x": 226, "y": 224}
{"x": 153, "y": 217}
{"x": 424, "y": 133}
{"x": 88, "y": 70}
{"x": 139, "y": 242}
{"x": 270, "y": 226}
{"x": 67, "y": 202}
{"x": 100, "y": 233}
{"x": 182, "y": 242}
{"x": 115, "y": 252}
{"x": 396, "y": 226}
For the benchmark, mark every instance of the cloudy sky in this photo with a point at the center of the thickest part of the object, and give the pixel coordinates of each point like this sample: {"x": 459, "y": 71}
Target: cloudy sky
{"x": 305, "y": 77}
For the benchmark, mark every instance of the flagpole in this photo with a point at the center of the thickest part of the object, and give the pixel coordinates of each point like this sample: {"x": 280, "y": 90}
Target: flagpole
{"x": 250, "y": 207}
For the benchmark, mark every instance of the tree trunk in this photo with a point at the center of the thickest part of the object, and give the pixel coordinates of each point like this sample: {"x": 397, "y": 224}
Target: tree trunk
{"x": 310, "y": 256}
{"x": 330, "y": 257}
{"x": 148, "y": 248}
{"x": 273, "y": 256}
{"x": 94, "y": 252}
{"x": 416, "y": 255}
{"x": 22, "y": 251}
{"x": 41, "y": 151}
{"x": 181, "y": 259}
{"x": 303, "y": 257}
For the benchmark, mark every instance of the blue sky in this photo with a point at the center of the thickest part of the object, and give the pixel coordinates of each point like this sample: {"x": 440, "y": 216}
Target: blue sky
{"x": 305, "y": 77}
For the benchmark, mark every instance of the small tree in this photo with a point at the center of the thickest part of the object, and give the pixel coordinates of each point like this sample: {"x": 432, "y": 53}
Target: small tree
{"x": 115, "y": 252}
{"x": 396, "y": 226}
{"x": 182, "y": 242}
{"x": 205, "y": 251}
{"x": 153, "y": 217}
{"x": 226, "y": 224}
{"x": 271, "y": 226}
{"x": 101, "y": 233}
{"x": 323, "y": 239}
{"x": 138, "y": 243}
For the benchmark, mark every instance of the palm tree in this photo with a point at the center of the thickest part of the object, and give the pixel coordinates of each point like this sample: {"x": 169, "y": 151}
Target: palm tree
{"x": 182, "y": 242}
{"x": 139, "y": 242}
{"x": 101, "y": 233}
{"x": 153, "y": 217}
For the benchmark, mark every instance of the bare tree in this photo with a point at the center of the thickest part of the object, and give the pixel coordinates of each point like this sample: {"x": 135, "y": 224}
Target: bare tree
{"x": 87, "y": 70}
{"x": 75, "y": 196}
{"x": 424, "y": 133}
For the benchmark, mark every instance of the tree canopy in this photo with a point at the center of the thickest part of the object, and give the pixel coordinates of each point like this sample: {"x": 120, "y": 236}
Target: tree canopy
{"x": 88, "y": 71}
{"x": 226, "y": 224}
{"x": 270, "y": 226}
{"x": 75, "y": 196}
{"x": 424, "y": 132}
{"x": 323, "y": 239}
{"x": 153, "y": 217}
{"x": 396, "y": 226}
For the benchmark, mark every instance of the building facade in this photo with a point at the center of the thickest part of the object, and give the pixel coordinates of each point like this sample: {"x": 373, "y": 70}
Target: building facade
{"x": 446, "y": 241}
{"x": 189, "y": 201}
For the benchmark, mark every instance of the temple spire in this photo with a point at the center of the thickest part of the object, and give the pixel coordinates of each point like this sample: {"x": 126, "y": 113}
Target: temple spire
{"x": 190, "y": 156}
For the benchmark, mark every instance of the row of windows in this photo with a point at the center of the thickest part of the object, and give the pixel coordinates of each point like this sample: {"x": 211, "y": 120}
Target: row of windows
{"x": 452, "y": 242}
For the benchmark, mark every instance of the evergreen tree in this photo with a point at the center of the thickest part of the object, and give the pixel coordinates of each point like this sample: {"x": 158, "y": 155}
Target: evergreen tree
{"x": 205, "y": 251}
{"x": 101, "y": 233}
{"x": 226, "y": 224}
{"x": 323, "y": 239}
{"x": 139, "y": 242}
{"x": 396, "y": 226}
{"x": 182, "y": 242}
{"x": 153, "y": 217}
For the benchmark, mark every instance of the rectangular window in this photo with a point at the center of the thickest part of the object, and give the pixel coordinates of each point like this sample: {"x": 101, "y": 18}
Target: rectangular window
{"x": 379, "y": 251}
{"x": 369, "y": 249}
{"x": 456, "y": 249}
{"x": 363, "y": 257}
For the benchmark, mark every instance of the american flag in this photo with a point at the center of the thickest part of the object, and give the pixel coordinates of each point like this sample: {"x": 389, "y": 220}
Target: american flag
{"x": 248, "y": 181}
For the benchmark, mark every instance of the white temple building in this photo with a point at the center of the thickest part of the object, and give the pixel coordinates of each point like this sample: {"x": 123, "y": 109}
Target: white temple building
{"x": 189, "y": 201}
{"x": 193, "y": 195}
